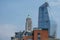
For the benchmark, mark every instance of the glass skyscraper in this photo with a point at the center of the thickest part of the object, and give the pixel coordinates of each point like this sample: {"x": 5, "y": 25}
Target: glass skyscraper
{"x": 43, "y": 17}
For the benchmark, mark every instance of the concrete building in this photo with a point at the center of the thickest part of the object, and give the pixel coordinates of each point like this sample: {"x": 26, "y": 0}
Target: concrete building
{"x": 28, "y": 25}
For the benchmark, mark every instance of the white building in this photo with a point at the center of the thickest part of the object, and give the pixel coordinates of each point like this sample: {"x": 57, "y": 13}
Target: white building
{"x": 28, "y": 26}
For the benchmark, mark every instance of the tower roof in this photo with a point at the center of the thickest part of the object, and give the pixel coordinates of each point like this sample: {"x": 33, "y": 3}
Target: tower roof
{"x": 28, "y": 17}
{"x": 45, "y": 4}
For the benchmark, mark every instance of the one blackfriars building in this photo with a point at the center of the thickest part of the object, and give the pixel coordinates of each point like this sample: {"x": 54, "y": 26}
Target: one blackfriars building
{"x": 43, "y": 17}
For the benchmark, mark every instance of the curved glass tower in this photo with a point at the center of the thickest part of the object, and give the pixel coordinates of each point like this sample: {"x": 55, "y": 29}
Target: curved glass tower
{"x": 43, "y": 17}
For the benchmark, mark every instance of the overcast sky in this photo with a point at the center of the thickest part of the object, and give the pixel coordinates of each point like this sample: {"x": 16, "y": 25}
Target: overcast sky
{"x": 14, "y": 12}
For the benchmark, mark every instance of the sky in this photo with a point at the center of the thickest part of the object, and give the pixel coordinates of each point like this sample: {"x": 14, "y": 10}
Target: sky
{"x": 13, "y": 14}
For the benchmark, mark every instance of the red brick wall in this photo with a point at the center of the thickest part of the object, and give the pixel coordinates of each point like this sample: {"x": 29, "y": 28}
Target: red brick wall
{"x": 43, "y": 34}
{"x": 27, "y": 37}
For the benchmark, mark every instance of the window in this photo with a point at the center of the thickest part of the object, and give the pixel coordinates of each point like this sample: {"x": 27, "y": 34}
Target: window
{"x": 38, "y": 36}
{"x": 29, "y": 39}
{"x": 38, "y": 33}
{"x": 16, "y": 33}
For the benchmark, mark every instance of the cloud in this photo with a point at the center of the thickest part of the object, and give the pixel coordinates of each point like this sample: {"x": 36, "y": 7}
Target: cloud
{"x": 7, "y": 30}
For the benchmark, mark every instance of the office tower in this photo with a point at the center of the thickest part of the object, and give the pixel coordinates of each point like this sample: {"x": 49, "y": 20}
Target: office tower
{"x": 43, "y": 17}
